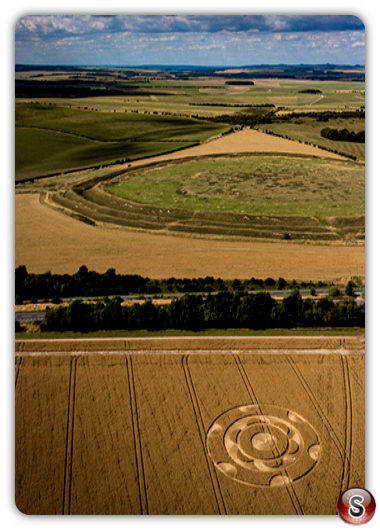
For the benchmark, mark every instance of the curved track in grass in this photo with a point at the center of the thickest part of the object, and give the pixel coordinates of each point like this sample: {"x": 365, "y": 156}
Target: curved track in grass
{"x": 290, "y": 204}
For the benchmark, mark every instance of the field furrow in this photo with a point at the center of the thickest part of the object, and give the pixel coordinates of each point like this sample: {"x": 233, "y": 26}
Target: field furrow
{"x": 202, "y": 434}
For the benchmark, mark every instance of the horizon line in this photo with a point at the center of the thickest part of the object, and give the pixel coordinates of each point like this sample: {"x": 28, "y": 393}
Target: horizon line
{"x": 203, "y": 66}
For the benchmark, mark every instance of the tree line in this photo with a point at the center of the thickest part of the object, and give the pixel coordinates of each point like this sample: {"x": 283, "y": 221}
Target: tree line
{"x": 196, "y": 313}
{"x": 343, "y": 135}
{"x": 86, "y": 283}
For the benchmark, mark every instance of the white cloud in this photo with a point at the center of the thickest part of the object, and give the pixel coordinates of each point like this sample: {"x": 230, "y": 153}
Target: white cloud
{"x": 357, "y": 43}
{"x": 119, "y": 39}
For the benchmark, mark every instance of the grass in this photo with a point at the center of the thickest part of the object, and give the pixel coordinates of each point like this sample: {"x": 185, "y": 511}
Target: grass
{"x": 267, "y": 185}
{"x": 309, "y": 130}
{"x": 52, "y": 139}
{"x": 43, "y": 152}
{"x": 55, "y": 135}
{"x": 300, "y": 332}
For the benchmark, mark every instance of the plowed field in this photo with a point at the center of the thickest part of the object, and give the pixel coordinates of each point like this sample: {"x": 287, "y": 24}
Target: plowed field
{"x": 188, "y": 426}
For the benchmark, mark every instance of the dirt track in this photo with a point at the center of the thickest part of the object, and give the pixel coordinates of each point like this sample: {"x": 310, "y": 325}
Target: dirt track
{"x": 208, "y": 344}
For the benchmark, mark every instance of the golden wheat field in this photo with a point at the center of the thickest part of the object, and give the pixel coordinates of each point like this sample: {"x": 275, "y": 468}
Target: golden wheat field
{"x": 46, "y": 239}
{"x": 188, "y": 425}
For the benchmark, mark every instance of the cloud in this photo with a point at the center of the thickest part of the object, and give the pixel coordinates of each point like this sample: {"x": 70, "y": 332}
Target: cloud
{"x": 220, "y": 40}
{"x": 59, "y": 25}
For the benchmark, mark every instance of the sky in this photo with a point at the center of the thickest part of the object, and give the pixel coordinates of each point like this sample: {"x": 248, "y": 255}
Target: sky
{"x": 208, "y": 40}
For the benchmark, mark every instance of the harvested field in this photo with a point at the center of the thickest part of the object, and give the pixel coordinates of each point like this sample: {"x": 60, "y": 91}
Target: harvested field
{"x": 245, "y": 141}
{"x": 40, "y": 227}
{"x": 188, "y": 426}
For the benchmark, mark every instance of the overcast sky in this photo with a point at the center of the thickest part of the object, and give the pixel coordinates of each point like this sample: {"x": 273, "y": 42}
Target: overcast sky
{"x": 210, "y": 40}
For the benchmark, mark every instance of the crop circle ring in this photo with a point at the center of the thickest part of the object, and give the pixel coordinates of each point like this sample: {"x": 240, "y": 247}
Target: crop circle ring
{"x": 263, "y": 445}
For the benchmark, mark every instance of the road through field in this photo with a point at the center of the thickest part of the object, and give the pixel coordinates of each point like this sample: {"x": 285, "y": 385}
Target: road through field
{"x": 207, "y": 426}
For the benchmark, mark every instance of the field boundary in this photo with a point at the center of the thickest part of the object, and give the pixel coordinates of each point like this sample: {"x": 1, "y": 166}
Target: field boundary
{"x": 181, "y": 344}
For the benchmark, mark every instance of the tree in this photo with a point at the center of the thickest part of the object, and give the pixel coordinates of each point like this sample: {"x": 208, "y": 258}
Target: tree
{"x": 220, "y": 310}
{"x": 334, "y": 291}
{"x": 292, "y": 315}
{"x": 79, "y": 317}
{"x": 281, "y": 284}
{"x": 255, "y": 311}
{"x": 349, "y": 291}
{"x": 111, "y": 315}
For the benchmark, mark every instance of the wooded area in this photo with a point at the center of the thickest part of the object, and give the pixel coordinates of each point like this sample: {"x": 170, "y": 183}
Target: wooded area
{"x": 196, "y": 313}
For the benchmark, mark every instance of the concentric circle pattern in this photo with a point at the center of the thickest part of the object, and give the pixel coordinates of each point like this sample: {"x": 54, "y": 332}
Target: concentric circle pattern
{"x": 263, "y": 445}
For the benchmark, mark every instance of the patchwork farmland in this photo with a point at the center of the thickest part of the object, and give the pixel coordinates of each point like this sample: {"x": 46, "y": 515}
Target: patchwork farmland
{"x": 188, "y": 425}
{"x": 173, "y": 174}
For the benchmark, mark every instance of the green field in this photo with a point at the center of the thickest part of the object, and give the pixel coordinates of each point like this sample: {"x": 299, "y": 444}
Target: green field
{"x": 271, "y": 185}
{"x": 308, "y": 130}
{"x": 51, "y": 139}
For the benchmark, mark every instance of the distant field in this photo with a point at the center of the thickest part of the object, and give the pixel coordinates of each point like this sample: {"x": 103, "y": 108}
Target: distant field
{"x": 184, "y": 426}
{"x": 52, "y": 139}
{"x": 208, "y": 97}
{"x": 100, "y": 130}
{"x": 52, "y": 134}
{"x": 309, "y": 130}
{"x": 44, "y": 152}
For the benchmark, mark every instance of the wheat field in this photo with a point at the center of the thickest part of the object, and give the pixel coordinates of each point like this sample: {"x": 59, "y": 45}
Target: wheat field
{"x": 188, "y": 425}
{"x": 39, "y": 228}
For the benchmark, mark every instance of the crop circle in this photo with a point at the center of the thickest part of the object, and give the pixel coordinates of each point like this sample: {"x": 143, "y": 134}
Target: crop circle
{"x": 263, "y": 445}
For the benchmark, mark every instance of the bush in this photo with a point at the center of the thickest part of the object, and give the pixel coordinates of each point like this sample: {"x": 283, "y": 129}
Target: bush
{"x": 334, "y": 291}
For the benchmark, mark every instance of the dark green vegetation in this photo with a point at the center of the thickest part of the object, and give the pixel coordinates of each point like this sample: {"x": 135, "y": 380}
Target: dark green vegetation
{"x": 51, "y": 139}
{"x": 310, "y": 91}
{"x": 228, "y": 304}
{"x": 85, "y": 283}
{"x": 343, "y": 135}
{"x": 196, "y": 312}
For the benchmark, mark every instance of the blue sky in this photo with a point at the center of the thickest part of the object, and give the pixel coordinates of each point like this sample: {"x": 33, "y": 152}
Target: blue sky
{"x": 216, "y": 40}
